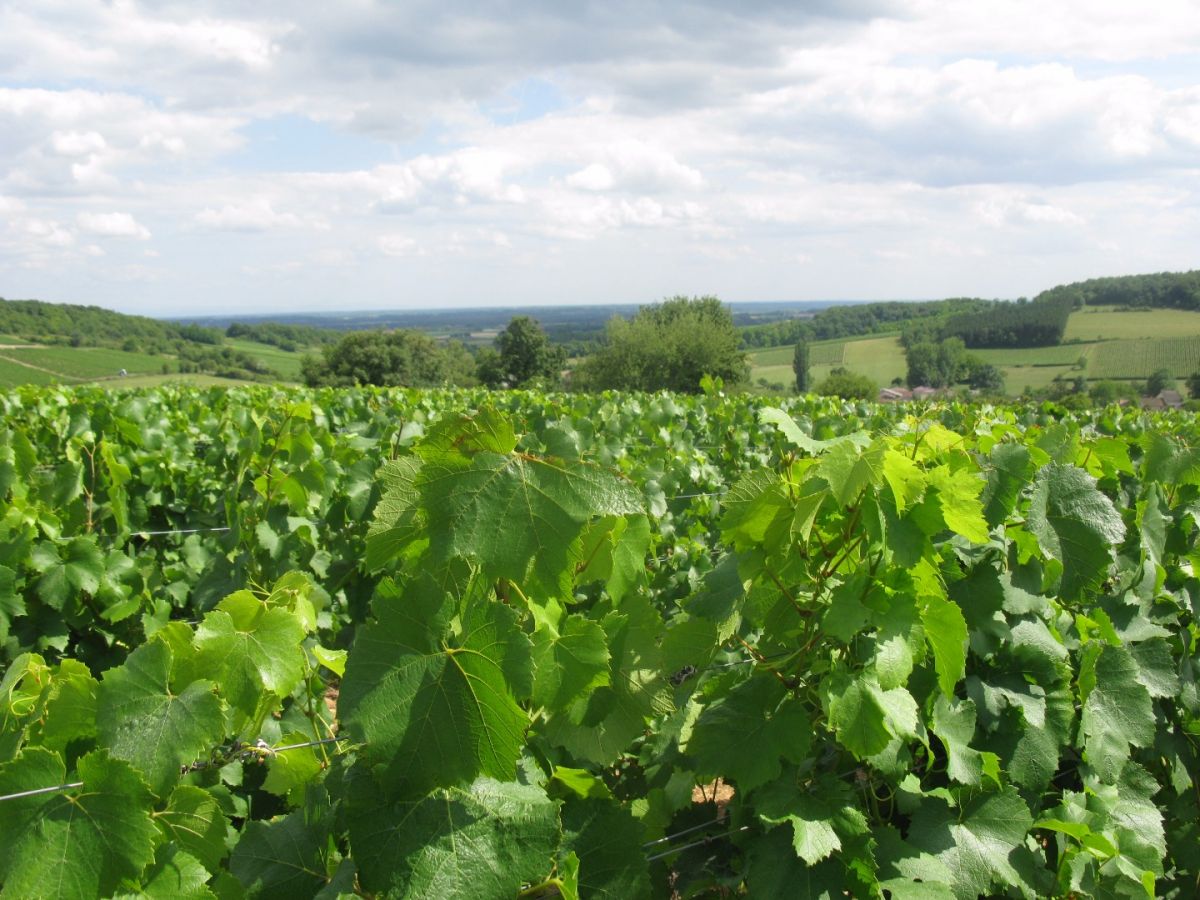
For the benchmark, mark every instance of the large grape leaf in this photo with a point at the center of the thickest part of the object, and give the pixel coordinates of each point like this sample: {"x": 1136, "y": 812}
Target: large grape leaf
{"x": 1117, "y": 712}
{"x": 515, "y": 514}
{"x": 946, "y": 631}
{"x": 175, "y": 875}
{"x": 251, "y": 648}
{"x": 75, "y": 566}
{"x": 857, "y": 713}
{"x": 283, "y": 858}
{"x": 193, "y": 820}
{"x": 744, "y": 735}
{"x": 484, "y": 840}
{"x": 821, "y": 814}
{"x": 600, "y": 726}
{"x": 432, "y": 712}
{"x": 12, "y": 604}
{"x": 142, "y": 721}
{"x": 569, "y": 663}
{"x": 78, "y": 843}
{"x": 977, "y": 841}
{"x": 1074, "y": 523}
{"x": 607, "y": 841}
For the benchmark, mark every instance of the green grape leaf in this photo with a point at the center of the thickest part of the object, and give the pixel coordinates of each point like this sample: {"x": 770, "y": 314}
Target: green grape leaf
{"x": 958, "y": 496}
{"x": 12, "y": 604}
{"x": 78, "y": 843}
{"x": 194, "y": 821}
{"x": 1118, "y": 712}
{"x": 174, "y": 875}
{"x": 721, "y": 596}
{"x": 570, "y": 664}
{"x": 820, "y": 816}
{"x": 292, "y": 769}
{"x": 484, "y": 840}
{"x": 432, "y": 713}
{"x": 70, "y": 707}
{"x": 946, "y": 632}
{"x": 857, "y": 714}
{"x": 1009, "y": 472}
{"x": 1074, "y": 523}
{"x": 283, "y": 858}
{"x": 1157, "y": 669}
{"x": 251, "y": 648}
{"x": 774, "y": 870}
{"x": 614, "y": 549}
{"x": 905, "y": 478}
{"x": 601, "y": 726}
{"x": 396, "y": 524}
{"x": 847, "y": 470}
{"x": 976, "y": 841}
{"x": 744, "y": 735}
{"x": 141, "y": 721}
{"x": 954, "y": 723}
{"x": 79, "y": 568}
{"x": 516, "y": 515}
{"x": 755, "y": 502}
{"x": 607, "y": 842}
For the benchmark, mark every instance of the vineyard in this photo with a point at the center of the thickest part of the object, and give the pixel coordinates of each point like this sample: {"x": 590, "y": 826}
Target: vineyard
{"x": 266, "y": 642}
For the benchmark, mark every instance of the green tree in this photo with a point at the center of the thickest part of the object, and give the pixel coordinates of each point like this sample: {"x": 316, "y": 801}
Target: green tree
{"x": 523, "y": 354}
{"x": 390, "y": 358}
{"x": 1159, "y": 381}
{"x": 986, "y": 377}
{"x": 1193, "y": 384}
{"x": 847, "y": 385}
{"x": 800, "y": 366}
{"x": 670, "y": 345}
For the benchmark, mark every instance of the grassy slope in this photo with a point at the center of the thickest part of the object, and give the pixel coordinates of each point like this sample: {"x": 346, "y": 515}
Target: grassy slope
{"x": 88, "y": 362}
{"x": 1115, "y": 344}
{"x": 286, "y": 364}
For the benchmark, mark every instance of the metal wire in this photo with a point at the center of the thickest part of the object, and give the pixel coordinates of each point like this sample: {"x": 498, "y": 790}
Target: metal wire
{"x": 699, "y": 843}
{"x": 178, "y": 531}
{"x": 249, "y": 748}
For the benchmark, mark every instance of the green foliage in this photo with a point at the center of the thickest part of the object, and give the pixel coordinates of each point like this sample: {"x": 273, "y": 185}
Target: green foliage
{"x": 847, "y": 385}
{"x": 800, "y": 364}
{"x": 530, "y": 640}
{"x": 390, "y": 358}
{"x": 1159, "y": 381}
{"x": 671, "y": 345}
{"x": 523, "y": 355}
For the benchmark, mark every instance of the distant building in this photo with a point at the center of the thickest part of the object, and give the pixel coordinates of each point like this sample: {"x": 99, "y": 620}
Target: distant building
{"x": 924, "y": 392}
{"x": 894, "y": 394}
{"x": 1168, "y": 399}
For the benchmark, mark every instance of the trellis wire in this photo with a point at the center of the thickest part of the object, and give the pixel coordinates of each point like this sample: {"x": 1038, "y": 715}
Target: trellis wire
{"x": 193, "y": 767}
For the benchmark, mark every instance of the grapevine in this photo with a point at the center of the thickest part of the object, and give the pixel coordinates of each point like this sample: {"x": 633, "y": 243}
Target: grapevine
{"x": 388, "y": 644}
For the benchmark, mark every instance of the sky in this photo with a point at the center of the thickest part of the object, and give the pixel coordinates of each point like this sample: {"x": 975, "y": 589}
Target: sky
{"x": 221, "y": 157}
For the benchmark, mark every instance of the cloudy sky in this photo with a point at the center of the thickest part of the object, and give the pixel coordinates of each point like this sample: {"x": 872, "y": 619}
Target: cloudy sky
{"x": 213, "y": 156}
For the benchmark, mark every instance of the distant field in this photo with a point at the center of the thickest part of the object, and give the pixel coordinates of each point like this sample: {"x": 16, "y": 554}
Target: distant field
{"x": 1106, "y": 323}
{"x": 287, "y": 364}
{"x": 12, "y": 375}
{"x": 824, "y": 353}
{"x": 1115, "y": 344}
{"x": 881, "y": 359}
{"x": 1033, "y": 356}
{"x": 87, "y": 362}
{"x": 139, "y": 381}
{"x": 1141, "y": 358}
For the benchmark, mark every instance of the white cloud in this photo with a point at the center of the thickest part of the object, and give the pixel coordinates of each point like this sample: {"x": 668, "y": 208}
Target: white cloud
{"x": 113, "y": 224}
{"x": 255, "y": 214}
{"x": 890, "y": 147}
{"x": 397, "y": 245}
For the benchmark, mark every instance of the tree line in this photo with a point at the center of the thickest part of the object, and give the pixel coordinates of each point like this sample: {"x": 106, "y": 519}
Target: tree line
{"x": 671, "y": 345}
